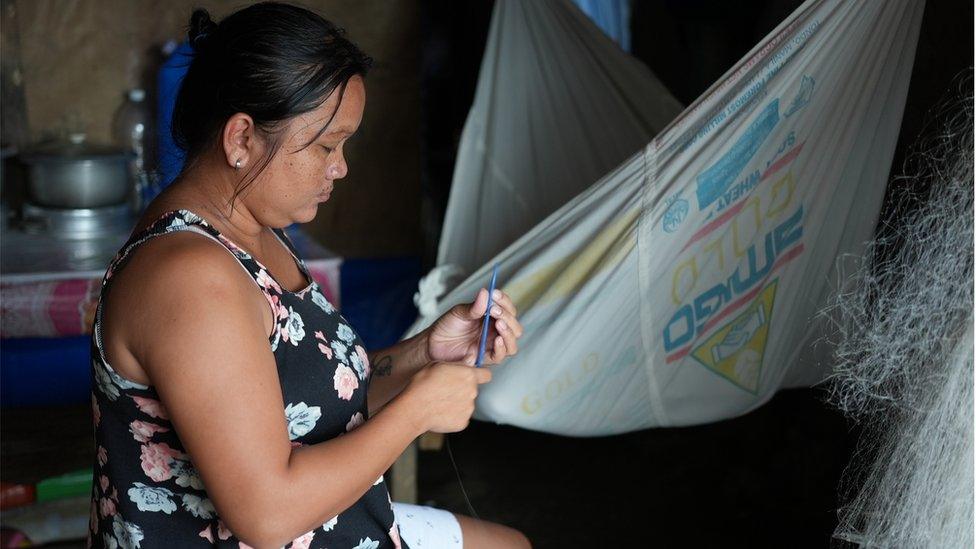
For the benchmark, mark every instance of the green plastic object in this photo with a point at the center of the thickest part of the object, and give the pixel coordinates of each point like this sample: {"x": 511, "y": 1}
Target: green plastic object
{"x": 75, "y": 483}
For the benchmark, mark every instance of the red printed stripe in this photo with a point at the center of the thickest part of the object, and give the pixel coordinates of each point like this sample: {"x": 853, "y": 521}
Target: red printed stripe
{"x": 786, "y": 159}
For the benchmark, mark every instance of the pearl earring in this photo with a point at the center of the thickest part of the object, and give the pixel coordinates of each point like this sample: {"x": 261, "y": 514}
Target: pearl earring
{"x": 237, "y": 164}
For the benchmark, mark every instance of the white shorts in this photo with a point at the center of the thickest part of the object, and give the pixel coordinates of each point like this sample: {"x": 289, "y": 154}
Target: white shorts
{"x": 425, "y": 527}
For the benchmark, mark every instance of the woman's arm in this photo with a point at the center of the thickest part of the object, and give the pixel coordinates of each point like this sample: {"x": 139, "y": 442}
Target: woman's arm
{"x": 200, "y": 336}
{"x": 394, "y": 367}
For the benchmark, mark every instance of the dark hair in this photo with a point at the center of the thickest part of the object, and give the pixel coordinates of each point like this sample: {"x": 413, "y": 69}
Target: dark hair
{"x": 271, "y": 61}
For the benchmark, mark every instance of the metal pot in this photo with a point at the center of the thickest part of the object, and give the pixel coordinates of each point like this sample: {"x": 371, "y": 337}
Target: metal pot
{"x": 77, "y": 174}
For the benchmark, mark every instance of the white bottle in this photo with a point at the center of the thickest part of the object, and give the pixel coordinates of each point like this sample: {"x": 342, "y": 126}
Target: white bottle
{"x": 131, "y": 127}
{"x": 132, "y": 130}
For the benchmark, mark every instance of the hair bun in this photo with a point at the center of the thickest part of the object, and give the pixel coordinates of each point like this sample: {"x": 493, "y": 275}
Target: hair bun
{"x": 201, "y": 27}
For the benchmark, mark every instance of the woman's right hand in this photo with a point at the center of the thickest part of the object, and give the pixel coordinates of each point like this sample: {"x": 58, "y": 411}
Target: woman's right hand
{"x": 442, "y": 395}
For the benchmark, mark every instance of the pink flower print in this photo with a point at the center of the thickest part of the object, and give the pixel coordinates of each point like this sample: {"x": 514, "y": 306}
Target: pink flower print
{"x": 395, "y": 535}
{"x": 151, "y": 407}
{"x": 324, "y": 345}
{"x": 273, "y": 302}
{"x": 222, "y": 531}
{"x": 156, "y": 459}
{"x": 293, "y": 329}
{"x": 303, "y": 542}
{"x": 102, "y": 456}
{"x": 280, "y": 311}
{"x": 115, "y": 494}
{"x": 345, "y": 382}
{"x": 364, "y": 358}
{"x": 106, "y": 507}
{"x": 265, "y": 281}
{"x": 143, "y": 431}
{"x": 96, "y": 413}
{"x": 207, "y": 534}
{"x": 103, "y": 482}
{"x": 356, "y": 420}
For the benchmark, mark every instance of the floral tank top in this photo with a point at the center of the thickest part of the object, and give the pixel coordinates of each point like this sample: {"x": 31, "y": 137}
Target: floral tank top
{"x": 146, "y": 492}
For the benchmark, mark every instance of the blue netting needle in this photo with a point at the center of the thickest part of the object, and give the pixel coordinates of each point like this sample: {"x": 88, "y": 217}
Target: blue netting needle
{"x": 484, "y": 325}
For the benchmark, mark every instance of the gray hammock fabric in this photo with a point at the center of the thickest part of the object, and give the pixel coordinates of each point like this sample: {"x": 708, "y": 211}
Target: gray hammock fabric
{"x": 681, "y": 286}
{"x": 546, "y": 67}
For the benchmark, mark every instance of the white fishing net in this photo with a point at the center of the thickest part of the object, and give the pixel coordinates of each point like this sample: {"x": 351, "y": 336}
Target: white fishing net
{"x": 904, "y": 354}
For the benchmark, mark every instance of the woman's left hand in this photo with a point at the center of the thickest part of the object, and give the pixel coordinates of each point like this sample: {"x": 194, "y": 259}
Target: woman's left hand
{"x": 455, "y": 336}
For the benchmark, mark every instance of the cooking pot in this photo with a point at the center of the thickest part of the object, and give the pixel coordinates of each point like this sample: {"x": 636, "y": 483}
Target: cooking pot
{"x": 77, "y": 174}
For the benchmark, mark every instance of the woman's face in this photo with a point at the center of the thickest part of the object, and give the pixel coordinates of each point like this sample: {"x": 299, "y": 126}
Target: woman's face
{"x": 300, "y": 177}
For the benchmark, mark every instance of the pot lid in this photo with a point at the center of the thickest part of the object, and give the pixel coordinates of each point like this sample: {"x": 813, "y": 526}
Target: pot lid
{"x": 77, "y": 147}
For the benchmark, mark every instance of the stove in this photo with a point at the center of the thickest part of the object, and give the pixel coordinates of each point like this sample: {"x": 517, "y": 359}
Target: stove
{"x": 77, "y": 223}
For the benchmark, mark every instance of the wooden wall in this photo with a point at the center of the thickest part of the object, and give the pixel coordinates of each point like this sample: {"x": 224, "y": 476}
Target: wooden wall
{"x": 67, "y": 64}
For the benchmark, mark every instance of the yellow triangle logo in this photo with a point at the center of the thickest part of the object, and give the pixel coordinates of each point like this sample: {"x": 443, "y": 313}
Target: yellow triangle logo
{"x": 736, "y": 350}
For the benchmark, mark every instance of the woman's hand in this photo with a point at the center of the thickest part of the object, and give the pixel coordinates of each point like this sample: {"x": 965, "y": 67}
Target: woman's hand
{"x": 455, "y": 336}
{"x": 442, "y": 395}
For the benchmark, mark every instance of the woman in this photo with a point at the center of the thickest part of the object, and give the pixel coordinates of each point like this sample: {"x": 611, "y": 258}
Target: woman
{"x": 233, "y": 405}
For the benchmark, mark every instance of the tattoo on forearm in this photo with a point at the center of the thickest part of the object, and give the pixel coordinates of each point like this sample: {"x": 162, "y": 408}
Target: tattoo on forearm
{"x": 384, "y": 366}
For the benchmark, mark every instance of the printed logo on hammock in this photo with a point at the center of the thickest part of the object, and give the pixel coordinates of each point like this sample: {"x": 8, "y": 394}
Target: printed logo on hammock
{"x": 756, "y": 229}
{"x": 720, "y": 183}
{"x": 675, "y": 214}
{"x": 736, "y": 350}
{"x": 802, "y": 96}
{"x": 714, "y": 181}
{"x": 707, "y": 297}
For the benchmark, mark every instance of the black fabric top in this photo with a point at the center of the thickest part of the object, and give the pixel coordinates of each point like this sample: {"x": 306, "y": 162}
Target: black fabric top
{"x": 146, "y": 491}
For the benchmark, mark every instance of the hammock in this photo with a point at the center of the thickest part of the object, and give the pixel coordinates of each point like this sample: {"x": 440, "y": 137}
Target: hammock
{"x": 550, "y": 116}
{"x": 681, "y": 287}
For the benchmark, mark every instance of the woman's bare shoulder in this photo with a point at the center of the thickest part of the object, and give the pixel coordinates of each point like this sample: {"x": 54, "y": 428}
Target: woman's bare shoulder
{"x": 181, "y": 271}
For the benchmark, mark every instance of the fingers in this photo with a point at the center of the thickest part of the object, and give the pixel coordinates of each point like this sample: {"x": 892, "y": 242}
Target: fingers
{"x": 482, "y": 375}
{"x": 507, "y": 328}
{"x": 509, "y": 335}
{"x": 506, "y": 344}
{"x": 502, "y": 308}
{"x": 503, "y": 299}
{"x": 471, "y": 357}
{"x": 506, "y": 321}
{"x": 478, "y": 306}
{"x": 498, "y": 351}
{"x": 505, "y": 331}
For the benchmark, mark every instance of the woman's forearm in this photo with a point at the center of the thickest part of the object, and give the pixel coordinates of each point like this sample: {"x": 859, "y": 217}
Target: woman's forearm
{"x": 394, "y": 367}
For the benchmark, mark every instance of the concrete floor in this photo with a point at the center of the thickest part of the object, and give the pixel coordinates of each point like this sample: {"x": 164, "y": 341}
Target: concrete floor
{"x": 767, "y": 479}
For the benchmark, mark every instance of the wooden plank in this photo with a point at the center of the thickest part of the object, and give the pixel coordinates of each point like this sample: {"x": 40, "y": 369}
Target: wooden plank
{"x": 403, "y": 487}
{"x": 431, "y": 442}
{"x": 15, "y": 129}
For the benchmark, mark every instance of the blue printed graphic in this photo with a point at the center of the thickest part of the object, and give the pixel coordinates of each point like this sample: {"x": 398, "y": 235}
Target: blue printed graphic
{"x": 675, "y": 214}
{"x": 802, "y": 96}
{"x": 713, "y": 182}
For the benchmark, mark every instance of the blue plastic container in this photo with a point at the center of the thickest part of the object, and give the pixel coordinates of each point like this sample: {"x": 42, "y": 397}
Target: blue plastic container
{"x": 170, "y": 77}
{"x": 39, "y": 371}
